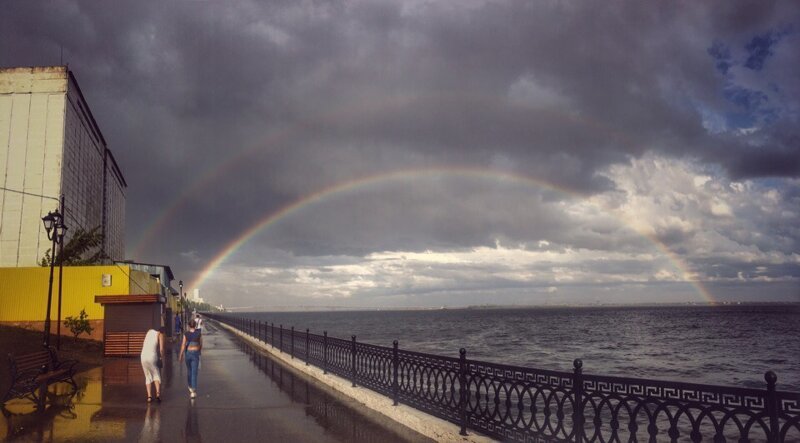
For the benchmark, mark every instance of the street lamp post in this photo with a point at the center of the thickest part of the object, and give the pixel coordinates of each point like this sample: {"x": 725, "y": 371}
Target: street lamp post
{"x": 183, "y": 305}
{"x": 60, "y": 274}
{"x": 54, "y": 225}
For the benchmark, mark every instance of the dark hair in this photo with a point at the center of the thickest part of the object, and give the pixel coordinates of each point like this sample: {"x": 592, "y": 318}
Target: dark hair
{"x": 162, "y": 330}
{"x": 192, "y": 324}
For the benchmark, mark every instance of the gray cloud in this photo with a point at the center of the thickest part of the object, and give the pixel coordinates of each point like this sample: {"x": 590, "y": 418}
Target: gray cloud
{"x": 285, "y": 99}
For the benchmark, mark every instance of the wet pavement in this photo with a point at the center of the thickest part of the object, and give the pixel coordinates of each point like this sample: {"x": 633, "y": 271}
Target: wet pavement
{"x": 243, "y": 395}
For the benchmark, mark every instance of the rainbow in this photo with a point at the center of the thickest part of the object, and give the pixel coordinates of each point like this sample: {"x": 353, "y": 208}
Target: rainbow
{"x": 407, "y": 174}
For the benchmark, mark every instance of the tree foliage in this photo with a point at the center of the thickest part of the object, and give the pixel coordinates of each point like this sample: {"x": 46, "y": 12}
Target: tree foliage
{"x": 200, "y": 307}
{"x": 79, "y": 325}
{"x": 83, "y": 248}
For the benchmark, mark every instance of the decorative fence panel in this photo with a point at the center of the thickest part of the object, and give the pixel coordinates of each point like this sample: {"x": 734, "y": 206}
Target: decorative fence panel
{"x": 430, "y": 383}
{"x": 339, "y": 362}
{"x": 374, "y": 367}
{"x": 316, "y": 350}
{"x": 515, "y": 403}
{"x": 512, "y": 403}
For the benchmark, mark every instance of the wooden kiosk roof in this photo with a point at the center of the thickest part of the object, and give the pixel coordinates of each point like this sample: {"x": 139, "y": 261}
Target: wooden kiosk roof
{"x": 128, "y": 298}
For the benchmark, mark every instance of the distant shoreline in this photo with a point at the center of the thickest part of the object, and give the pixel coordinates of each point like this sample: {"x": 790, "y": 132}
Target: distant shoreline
{"x": 289, "y": 309}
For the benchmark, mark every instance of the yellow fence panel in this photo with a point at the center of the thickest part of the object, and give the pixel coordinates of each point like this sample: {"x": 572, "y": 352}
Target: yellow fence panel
{"x": 23, "y": 291}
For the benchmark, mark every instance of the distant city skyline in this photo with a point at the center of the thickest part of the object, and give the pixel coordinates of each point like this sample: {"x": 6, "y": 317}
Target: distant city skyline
{"x": 424, "y": 154}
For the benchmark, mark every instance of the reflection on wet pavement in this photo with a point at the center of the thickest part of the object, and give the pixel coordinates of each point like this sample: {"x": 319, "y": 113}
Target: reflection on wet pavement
{"x": 68, "y": 415}
{"x": 243, "y": 396}
{"x": 333, "y": 415}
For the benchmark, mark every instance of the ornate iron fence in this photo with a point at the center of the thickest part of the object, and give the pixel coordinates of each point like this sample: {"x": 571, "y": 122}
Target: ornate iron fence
{"x": 515, "y": 403}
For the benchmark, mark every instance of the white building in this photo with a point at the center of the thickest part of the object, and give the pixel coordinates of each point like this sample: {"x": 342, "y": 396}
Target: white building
{"x": 196, "y": 296}
{"x": 51, "y": 145}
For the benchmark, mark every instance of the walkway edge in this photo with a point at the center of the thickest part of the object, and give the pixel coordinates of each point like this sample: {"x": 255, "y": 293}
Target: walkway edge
{"x": 416, "y": 420}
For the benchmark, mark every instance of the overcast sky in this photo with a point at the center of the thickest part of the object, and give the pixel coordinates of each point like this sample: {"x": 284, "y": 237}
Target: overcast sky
{"x": 423, "y": 153}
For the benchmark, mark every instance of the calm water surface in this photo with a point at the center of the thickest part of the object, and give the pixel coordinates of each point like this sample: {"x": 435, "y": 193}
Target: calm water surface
{"x": 723, "y": 345}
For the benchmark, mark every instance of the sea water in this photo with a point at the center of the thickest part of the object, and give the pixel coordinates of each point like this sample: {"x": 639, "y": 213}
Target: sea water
{"x": 730, "y": 345}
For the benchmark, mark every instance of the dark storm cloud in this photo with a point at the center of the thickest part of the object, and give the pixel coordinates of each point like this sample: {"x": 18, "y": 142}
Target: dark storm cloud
{"x": 313, "y": 94}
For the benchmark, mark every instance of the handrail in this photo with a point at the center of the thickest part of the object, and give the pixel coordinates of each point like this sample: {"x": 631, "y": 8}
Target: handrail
{"x": 517, "y": 403}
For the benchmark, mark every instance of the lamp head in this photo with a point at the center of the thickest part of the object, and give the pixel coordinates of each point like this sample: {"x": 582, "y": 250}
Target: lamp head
{"x": 60, "y": 231}
{"x": 48, "y": 221}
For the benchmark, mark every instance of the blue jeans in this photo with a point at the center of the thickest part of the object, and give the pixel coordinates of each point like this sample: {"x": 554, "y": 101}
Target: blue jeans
{"x": 192, "y": 365}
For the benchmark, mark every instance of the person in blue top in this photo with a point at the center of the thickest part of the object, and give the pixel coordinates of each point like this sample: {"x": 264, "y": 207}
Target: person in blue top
{"x": 178, "y": 325}
{"x": 191, "y": 346}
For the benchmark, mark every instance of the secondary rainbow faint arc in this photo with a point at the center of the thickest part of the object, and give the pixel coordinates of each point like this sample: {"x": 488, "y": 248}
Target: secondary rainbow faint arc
{"x": 331, "y": 117}
{"x": 340, "y": 188}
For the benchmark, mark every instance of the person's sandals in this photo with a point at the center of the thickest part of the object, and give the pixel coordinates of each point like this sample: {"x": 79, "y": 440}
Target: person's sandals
{"x": 158, "y": 398}
{"x": 149, "y": 399}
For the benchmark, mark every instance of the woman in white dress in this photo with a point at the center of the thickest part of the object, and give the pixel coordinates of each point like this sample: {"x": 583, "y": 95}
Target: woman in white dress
{"x": 152, "y": 355}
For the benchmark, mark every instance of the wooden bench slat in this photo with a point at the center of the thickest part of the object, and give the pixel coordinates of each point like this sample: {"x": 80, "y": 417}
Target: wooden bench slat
{"x": 35, "y": 370}
{"x": 33, "y": 360}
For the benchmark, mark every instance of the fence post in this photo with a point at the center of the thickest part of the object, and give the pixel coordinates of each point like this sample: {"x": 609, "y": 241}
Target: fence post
{"x": 292, "y": 342}
{"x": 260, "y": 330}
{"x": 772, "y": 407}
{"x": 462, "y": 391}
{"x": 395, "y": 365}
{"x": 353, "y": 353}
{"x": 280, "y": 343}
{"x": 272, "y": 335}
{"x": 577, "y": 409}
{"x": 325, "y": 353}
{"x": 308, "y": 343}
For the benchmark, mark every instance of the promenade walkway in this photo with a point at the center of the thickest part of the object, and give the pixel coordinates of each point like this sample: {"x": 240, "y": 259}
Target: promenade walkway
{"x": 242, "y": 396}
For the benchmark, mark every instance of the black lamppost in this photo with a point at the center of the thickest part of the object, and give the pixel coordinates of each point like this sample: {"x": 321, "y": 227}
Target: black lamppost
{"x": 60, "y": 273}
{"x": 54, "y": 225}
{"x": 183, "y": 305}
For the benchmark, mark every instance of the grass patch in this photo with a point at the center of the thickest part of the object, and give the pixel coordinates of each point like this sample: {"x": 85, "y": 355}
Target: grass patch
{"x": 15, "y": 341}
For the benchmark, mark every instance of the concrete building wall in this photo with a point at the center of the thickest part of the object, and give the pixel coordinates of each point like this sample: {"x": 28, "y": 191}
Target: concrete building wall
{"x": 83, "y": 169}
{"x": 50, "y": 145}
{"x": 114, "y": 233}
{"x": 32, "y": 104}
{"x": 142, "y": 283}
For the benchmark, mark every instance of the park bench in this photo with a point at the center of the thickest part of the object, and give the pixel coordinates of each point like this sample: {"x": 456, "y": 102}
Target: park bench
{"x": 36, "y": 371}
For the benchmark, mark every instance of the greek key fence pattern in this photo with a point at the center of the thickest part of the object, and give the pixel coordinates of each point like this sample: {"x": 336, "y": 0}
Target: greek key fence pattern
{"x": 521, "y": 404}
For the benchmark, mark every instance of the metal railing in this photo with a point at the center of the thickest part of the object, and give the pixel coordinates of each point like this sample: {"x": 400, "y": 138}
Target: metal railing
{"x": 525, "y": 404}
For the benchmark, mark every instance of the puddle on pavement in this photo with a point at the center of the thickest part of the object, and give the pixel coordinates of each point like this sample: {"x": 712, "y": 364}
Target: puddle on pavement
{"x": 100, "y": 409}
{"x": 106, "y": 407}
{"x": 67, "y": 415}
{"x": 333, "y": 415}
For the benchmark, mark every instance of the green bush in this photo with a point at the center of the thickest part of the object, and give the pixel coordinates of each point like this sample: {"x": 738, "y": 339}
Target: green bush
{"x": 79, "y": 325}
